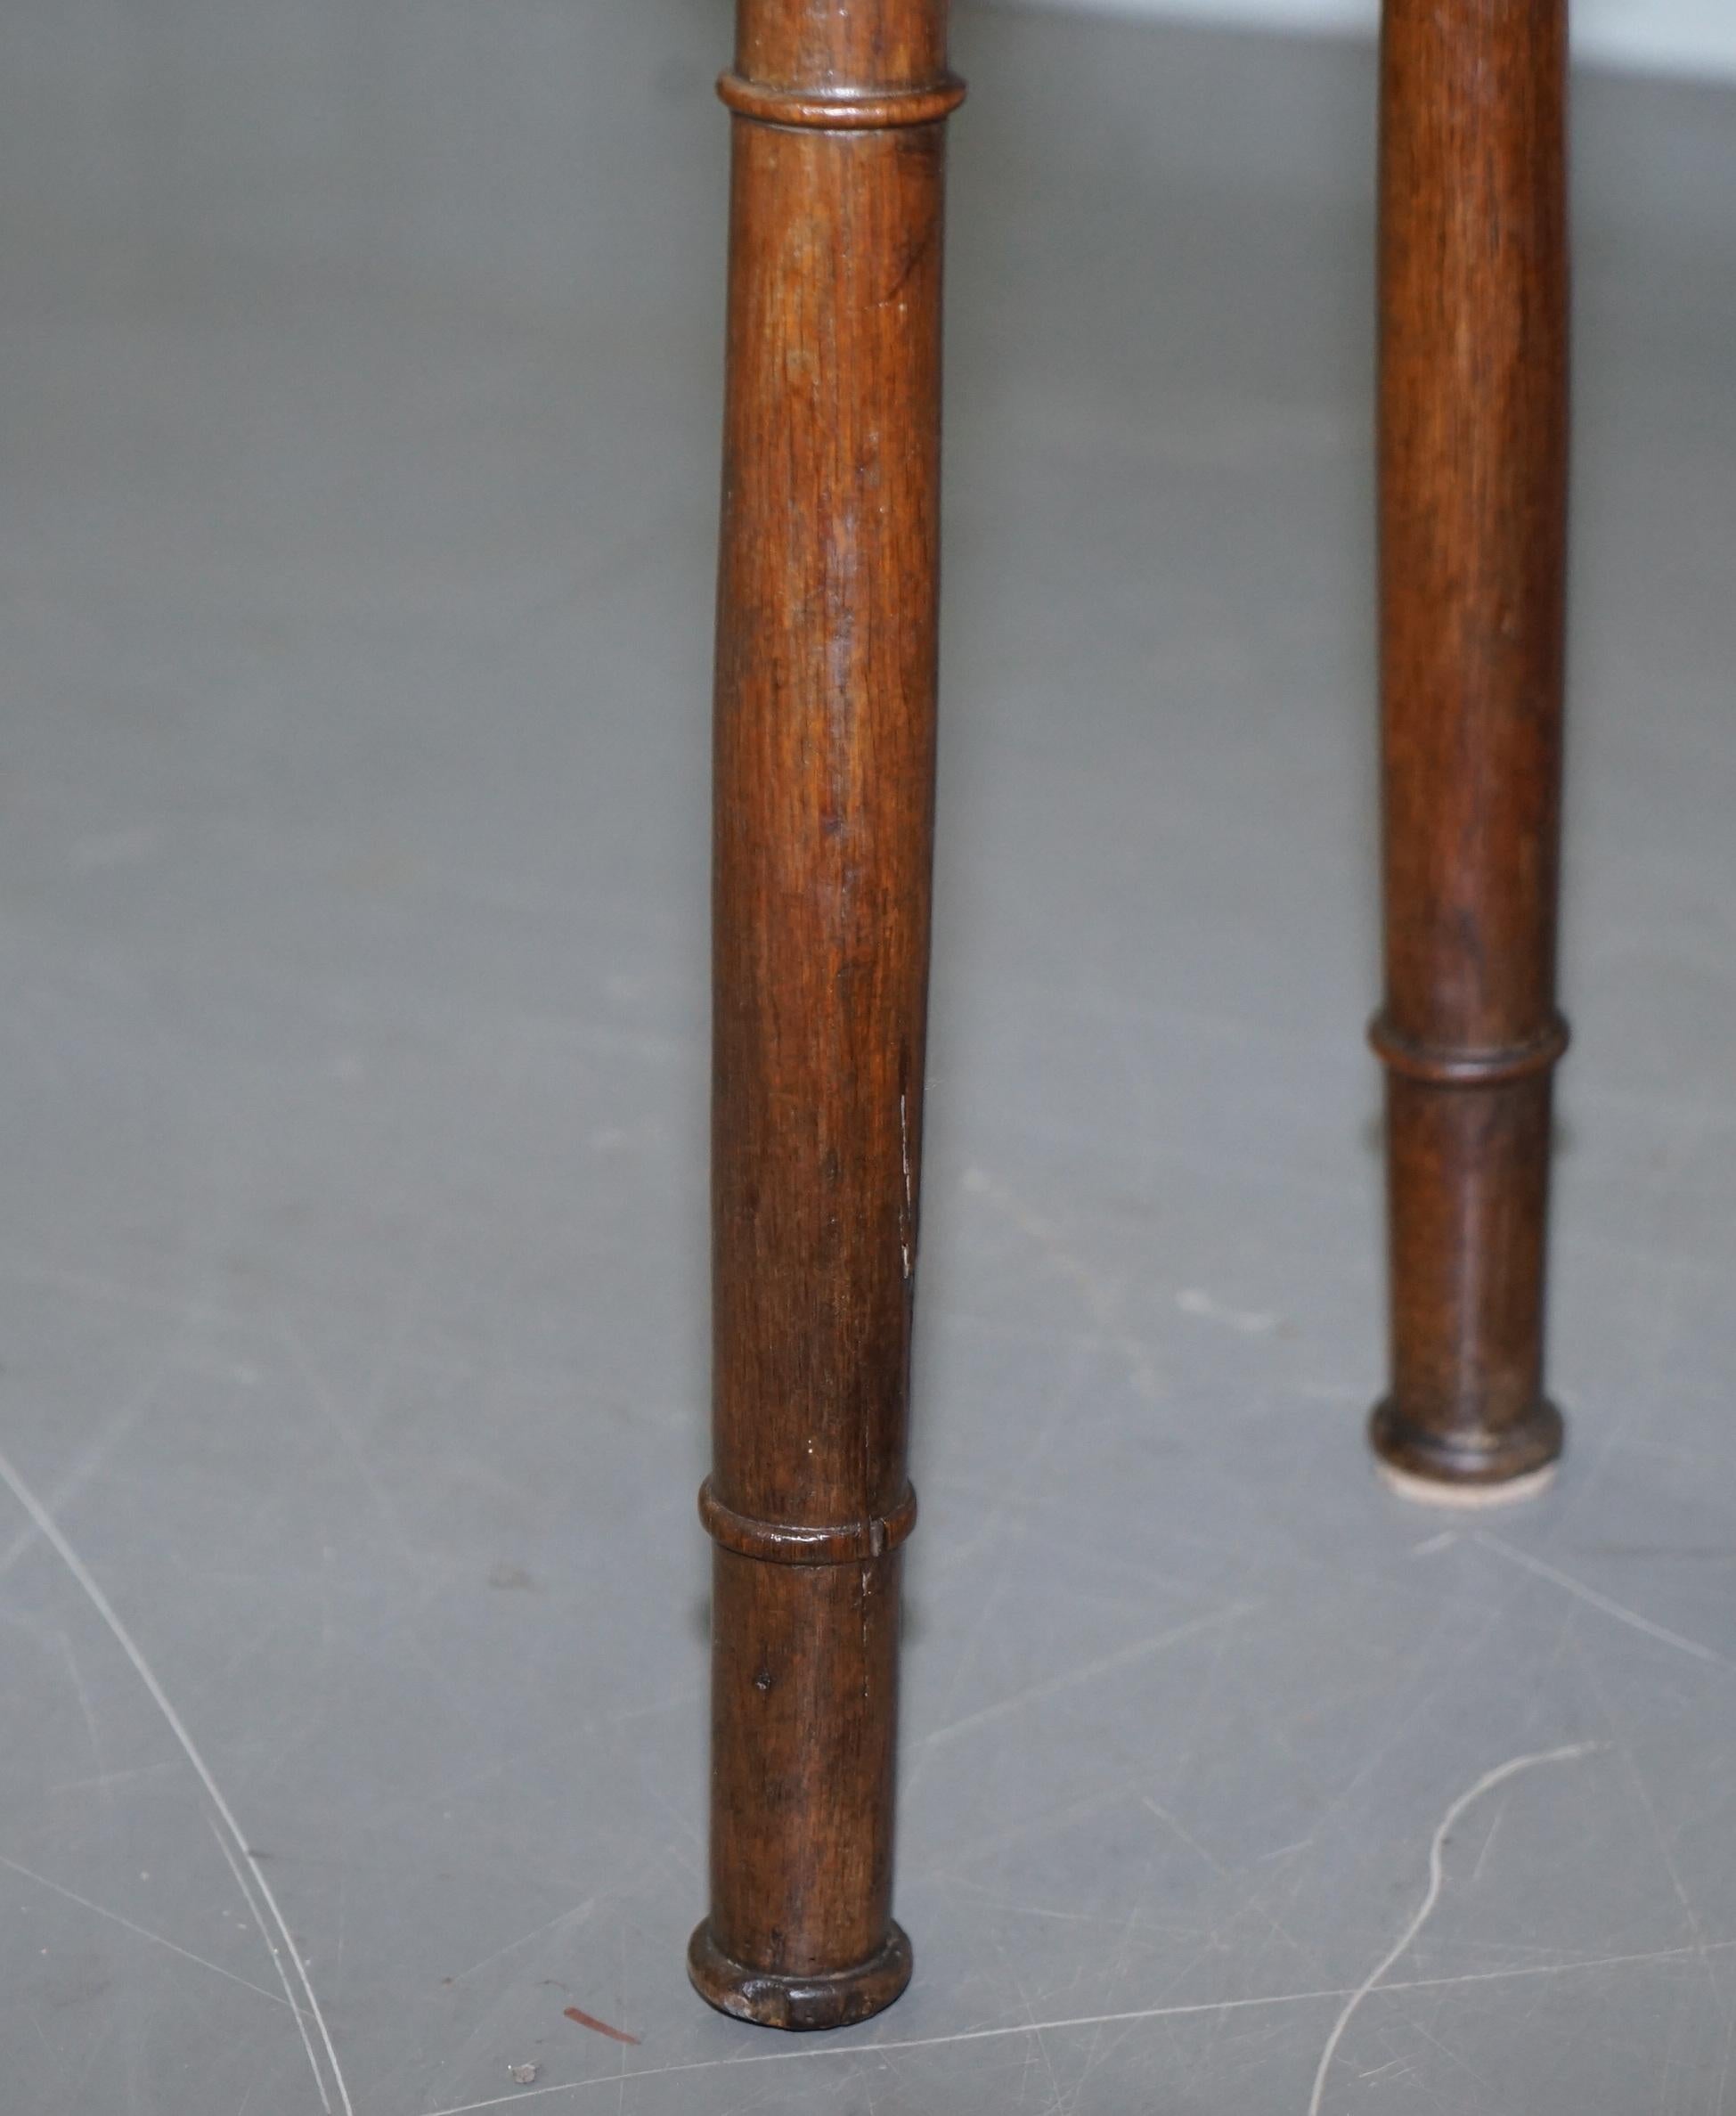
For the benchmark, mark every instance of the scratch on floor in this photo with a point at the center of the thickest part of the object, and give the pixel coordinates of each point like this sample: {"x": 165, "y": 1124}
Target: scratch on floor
{"x": 812, "y": 2052}
{"x": 104, "y": 1780}
{"x": 1432, "y": 1895}
{"x": 1102, "y": 1301}
{"x": 276, "y": 1953}
{"x": 574, "y": 1916}
{"x": 87, "y": 1706}
{"x": 1283, "y": 1851}
{"x": 384, "y": 1506}
{"x": 97, "y": 1450}
{"x": 1194, "y": 1300}
{"x": 1379, "y": 2071}
{"x": 1248, "y": 1898}
{"x": 144, "y": 1932}
{"x": 1642, "y": 1792}
{"x": 1040, "y": 1692}
{"x": 1594, "y": 1599}
{"x": 75, "y": 1565}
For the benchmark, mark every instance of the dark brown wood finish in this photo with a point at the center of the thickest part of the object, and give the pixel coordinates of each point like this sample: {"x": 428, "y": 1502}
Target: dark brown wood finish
{"x": 1473, "y": 492}
{"x": 825, "y": 759}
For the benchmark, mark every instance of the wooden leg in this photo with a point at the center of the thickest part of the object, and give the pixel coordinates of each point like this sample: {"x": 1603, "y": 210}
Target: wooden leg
{"x": 1473, "y": 476}
{"x": 825, "y": 753}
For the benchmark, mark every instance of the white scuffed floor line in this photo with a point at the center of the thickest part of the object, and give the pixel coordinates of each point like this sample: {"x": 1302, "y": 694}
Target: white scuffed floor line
{"x": 124, "y": 1639}
{"x": 1489, "y": 1780}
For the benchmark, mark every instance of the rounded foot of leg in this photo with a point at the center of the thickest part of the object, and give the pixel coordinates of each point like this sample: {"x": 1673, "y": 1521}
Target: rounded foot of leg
{"x": 773, "y": 1999}
{"x": 1452, "y": 1470}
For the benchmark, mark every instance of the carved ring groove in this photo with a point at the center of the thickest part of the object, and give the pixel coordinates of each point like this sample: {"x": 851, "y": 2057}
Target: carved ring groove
{"x": 1468, "y": 1068}
{"x": 799, "y": 1543}
{"x": 810, "y": 109}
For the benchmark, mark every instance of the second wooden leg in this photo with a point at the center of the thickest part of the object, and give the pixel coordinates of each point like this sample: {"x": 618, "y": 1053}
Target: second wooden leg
{"x": 1473, "y": 486}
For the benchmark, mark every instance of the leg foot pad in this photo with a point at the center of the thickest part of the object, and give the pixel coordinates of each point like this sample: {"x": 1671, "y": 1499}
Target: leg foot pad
{"x": 1443, "y": 1469}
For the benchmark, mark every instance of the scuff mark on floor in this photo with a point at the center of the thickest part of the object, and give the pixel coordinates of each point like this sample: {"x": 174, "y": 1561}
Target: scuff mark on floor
{"x": 1194, "y": 1300}
{"x": 585, "y": 2019}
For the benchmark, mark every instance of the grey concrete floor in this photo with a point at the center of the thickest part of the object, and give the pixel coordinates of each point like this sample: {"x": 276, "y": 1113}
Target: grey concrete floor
{"x": 358, "y": 400}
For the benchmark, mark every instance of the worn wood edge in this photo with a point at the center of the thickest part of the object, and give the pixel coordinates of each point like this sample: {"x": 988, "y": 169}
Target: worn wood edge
{"x": 1471, "y": 1469}
{"x": 773, "y": 1999}
{"x": 801, "y": 1543}
{"x": 858, "y": 112}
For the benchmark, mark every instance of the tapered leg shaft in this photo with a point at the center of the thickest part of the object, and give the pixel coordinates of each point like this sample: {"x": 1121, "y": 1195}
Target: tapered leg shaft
{"x": 824, "y": 763}
{"x": 1472, "y": 477}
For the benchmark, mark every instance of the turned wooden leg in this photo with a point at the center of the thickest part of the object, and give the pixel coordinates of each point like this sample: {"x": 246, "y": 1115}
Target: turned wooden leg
{"x": 1473, "y": 488}
{"x": 825, "y": 755}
